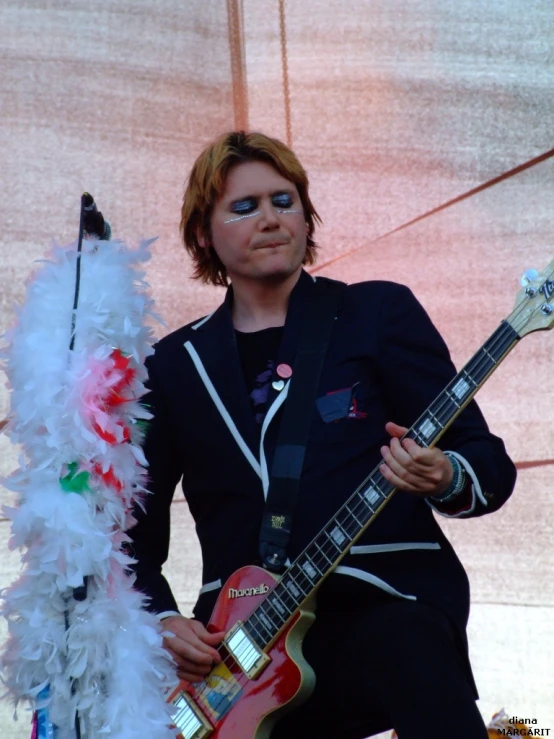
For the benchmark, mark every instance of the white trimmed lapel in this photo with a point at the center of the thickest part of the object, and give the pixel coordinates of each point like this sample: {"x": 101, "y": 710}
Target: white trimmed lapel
{"x": 213, "y": 350}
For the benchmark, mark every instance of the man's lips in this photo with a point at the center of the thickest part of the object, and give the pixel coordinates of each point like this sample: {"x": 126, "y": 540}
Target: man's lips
{"x": 271, "y": 244}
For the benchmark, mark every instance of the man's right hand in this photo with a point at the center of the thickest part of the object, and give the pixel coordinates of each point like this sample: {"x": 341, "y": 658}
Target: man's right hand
{"x": 192, "y": 647}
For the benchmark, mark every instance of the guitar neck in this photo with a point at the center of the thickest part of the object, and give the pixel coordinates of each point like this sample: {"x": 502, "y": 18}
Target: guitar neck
{"x": 333, "y": 542}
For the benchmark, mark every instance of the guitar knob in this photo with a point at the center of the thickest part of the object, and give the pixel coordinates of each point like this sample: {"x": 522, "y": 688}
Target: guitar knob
{"x": 528, "y": 276}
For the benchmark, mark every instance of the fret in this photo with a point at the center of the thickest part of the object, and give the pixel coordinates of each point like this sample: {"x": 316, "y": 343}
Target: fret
{"x": 364, "y": 509}
{"x": 356, "y": 519}
{"x": 418, "y": 438}
{"x": 452, "y": 399}
{"x": 293, "y": 587}
{"x": 324, "y": 546}
{"x": 331, "y": 541}
{"x": 386, "y": 488}
{"x": 322, "y": 563}
{"x": 426, "y": 430}
{"x": 251, "y": 630}
{"x": 467, "y": 376}
{"x": 278, "y": 605}
{"x": 444, "y": 408}
{"x": 303, "y": 582}
{"x": 259, "y": 627}
{"x": 370, "y": 496}
{"x": 320, "y": 550}
{"x": 506, "y": 341}
{"x": 268, "y": 624}
{"x": 309, "y": 568}
{"x": 481, "y": 366}
{"x": 346, "y": 523}
{"x": 294, "y": 592}
{"x": 380, "y": 483}
{"x": 434, "y": 417}
{"x": 285, "y": 596}
{"x": 338, "y": 536}
{"x": 460, "y": 389}
{"x": 274, "y": 616}
{"x": 485, "y": 351}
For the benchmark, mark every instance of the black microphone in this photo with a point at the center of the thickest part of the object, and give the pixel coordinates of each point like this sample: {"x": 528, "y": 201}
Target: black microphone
{"x": 94, "y": 223}
{"x": 80, "y": 593}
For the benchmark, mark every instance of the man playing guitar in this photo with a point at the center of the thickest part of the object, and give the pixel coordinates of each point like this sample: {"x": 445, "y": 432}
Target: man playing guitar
{"x": 388, "y": 645}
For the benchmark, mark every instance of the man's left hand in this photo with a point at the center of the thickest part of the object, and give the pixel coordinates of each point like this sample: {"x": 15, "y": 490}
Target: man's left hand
{"x": 413, "y": 468}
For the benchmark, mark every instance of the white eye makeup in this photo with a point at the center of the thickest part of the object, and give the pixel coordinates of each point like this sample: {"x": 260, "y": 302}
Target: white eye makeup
{"x": 247, "y": 208}
{"x": 240, "y": 218}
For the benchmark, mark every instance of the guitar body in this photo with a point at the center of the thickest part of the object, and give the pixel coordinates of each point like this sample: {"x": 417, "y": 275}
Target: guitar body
{"x": 251, "y": 707}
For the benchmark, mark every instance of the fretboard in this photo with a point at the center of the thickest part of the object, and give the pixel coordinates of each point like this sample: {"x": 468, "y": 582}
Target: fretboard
{"x": 326, "y": 550}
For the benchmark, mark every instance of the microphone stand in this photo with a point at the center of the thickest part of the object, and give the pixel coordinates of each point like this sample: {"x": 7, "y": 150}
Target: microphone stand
{"x": 80, "y": 593}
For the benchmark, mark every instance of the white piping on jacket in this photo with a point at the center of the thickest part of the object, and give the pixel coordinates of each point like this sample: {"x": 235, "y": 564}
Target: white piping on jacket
{"x": 362, "y": 575}
{"x": 243, "y": 446}
{"x": 214, "y": 585}
{"x": 277, "y": 403}
{"x": 398, "y": 547}
{"x": 202, "y": 321}
{"x": 166, "y": 614}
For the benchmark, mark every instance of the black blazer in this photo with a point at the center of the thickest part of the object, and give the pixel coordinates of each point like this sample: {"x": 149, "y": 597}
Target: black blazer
{"x": 204, "y": 432}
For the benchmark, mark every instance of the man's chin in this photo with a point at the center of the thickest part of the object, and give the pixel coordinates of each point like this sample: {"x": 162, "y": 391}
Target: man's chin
{"x": 279, "y": 274}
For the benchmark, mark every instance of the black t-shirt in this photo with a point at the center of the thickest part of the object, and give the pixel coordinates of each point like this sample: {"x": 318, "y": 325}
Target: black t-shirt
{"x": 258, "y": 354}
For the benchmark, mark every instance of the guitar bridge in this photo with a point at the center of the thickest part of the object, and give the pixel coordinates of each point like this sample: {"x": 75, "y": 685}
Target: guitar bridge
{"x": 189, "y": 719}
{"x": 245, "y": 651}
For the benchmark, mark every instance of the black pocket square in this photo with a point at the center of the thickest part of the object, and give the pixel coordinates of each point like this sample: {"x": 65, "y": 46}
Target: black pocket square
{"x": 335, "y": 405}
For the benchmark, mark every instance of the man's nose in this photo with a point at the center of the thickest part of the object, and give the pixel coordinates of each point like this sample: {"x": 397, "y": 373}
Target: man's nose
{"x": 268, "y": 216}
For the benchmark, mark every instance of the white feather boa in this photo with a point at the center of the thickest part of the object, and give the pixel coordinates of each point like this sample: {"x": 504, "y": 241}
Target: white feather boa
{"x": 80, "y": 473}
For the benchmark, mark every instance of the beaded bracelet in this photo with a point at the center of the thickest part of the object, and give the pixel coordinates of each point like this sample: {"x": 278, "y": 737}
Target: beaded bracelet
{"x": 459, "y": 481}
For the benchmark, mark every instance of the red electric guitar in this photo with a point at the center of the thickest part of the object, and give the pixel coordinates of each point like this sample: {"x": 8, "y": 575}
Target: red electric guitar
{"x": 263, "y": 673}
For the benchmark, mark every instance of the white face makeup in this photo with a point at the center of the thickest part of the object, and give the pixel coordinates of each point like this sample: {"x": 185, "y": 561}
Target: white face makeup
{"x": 241, "y": 218}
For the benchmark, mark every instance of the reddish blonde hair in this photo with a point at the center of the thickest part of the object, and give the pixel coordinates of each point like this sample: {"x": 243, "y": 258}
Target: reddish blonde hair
{"x": 206, "y": 185}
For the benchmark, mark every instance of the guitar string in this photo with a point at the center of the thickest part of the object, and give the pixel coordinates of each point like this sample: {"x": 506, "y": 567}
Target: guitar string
{"x": 505, "y": 335}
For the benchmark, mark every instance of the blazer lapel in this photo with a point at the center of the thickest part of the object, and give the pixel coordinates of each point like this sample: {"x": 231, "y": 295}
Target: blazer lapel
{"x": 215, "y": 344}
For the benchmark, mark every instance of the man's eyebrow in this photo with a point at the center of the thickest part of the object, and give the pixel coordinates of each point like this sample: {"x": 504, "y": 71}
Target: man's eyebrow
{"x": 278, "y": 191}
{"x": 284, "y": 191}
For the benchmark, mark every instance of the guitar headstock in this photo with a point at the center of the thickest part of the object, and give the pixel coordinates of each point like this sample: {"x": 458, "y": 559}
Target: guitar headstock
{"x": 534, "y": 308}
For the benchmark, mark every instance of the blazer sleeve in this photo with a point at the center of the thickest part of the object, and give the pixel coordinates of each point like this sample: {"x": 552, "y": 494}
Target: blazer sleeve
{"x": 149, "y": 537}
{"x": 415, "y": 366}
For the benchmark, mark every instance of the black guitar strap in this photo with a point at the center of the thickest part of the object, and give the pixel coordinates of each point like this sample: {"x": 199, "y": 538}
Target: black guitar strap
{"x": 288, "y": 461}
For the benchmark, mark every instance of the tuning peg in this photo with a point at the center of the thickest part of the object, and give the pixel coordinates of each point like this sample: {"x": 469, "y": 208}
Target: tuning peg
{"x": 528, "y": 276}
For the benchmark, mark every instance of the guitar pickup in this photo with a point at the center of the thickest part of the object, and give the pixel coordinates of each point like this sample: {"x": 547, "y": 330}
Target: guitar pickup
{"x": 189, "y": 719}
{"x": 245, "y": 651}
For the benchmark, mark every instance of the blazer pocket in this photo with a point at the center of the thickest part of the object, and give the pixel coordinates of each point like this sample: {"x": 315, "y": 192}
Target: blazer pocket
{"x": 395, "y": 547}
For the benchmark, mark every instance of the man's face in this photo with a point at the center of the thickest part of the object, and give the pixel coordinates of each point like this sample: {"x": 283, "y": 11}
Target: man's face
{"x": 258, "y": 227}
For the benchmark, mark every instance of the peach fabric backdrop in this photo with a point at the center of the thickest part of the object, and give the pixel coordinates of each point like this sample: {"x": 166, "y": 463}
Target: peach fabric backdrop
{"x": 395, "y": 108}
